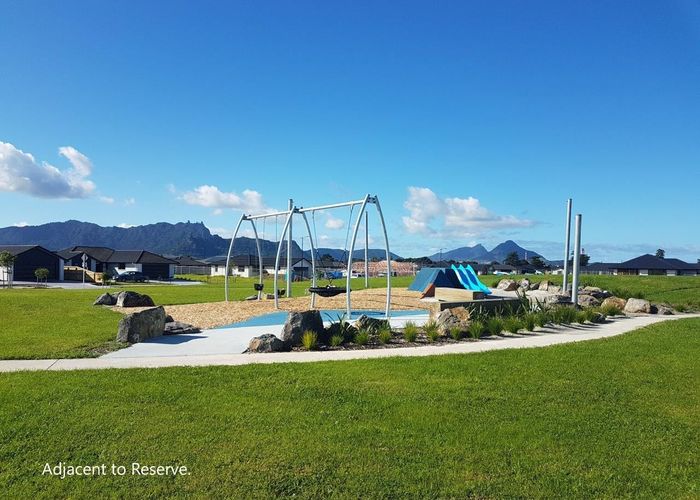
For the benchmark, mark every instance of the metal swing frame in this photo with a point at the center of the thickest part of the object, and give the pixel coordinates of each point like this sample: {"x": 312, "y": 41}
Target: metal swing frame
{"x": 287, "y": 231}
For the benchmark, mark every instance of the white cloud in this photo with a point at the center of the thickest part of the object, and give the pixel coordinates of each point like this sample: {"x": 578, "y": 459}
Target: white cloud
{"x": 107, "y": 199}
{"x": 212, "y": 197}
{"x": 21, "y": 224}
{"x": 130, "y": 201}
{"x": 218, "y": 211}
{"x": 222, "y": 231}
{"x": 171, "y": 188}
{"x": 334, "y": 223}
{"x": 452, "y": 217}
{"x": 124, "y": 225}
{"x": 20, "y": 172}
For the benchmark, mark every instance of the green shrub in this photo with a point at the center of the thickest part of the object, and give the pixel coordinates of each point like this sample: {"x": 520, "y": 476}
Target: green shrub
{"x": 494, "y": 325}
{"x": 456, "y": 333}
{"x": 362, "y": 337}
{"x": 309, "y": 340}
{"x": 530, "y": 321}
{"x": 410, "y": 331}
{"x": 476, "y": 329}
{"x": 431, "y": 331}
{"x": 384, "y": 334}
{"x": 512, "y": 324}
{"x": 581, "y": 317}
{"x": 337, "y": 340}
{"x": 542, "y": 318}
{"x": 681, "y": 308}
{"x": 565, "y": 315}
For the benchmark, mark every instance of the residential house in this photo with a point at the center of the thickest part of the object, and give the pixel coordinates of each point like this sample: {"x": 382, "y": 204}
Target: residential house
{"x": 247, "y": 266}
{"x": 189, "y": 265}
{"x": 104, "y": 259}
{"x": 29, "y": 258}
{"x": 650, "y": 265}
{"x": 379, "y": 268}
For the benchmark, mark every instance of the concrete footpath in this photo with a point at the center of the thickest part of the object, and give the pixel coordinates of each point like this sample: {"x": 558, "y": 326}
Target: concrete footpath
{"x": 540, "y": 338}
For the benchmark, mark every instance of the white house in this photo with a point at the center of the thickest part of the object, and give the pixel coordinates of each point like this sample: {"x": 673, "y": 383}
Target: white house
{"x": 246, "y": 266}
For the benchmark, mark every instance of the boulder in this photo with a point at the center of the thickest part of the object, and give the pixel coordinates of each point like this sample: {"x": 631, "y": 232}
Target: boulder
{"x": 637, "y": 306}
{"x": 614, "y": 301}
{"x": 661, "y": 309}
{"x": 142, "y": 325}
{"x": 598, "y": 318}
{"x": 265, "y": 343}
{"x": 553, "y": 288}
{"x": 168, "y": 318}
{"x": 544, "y": 285}
{"x": 450, "y": 318}
{"x": 508, "y": 285}
{"x": 596, "y": 292}
{"x": 297, "y": 323}
{"x": 524, "y": 284}
{"x": 177, "y": 328}
{"x": 133, "y": 299}
{"x": 585, "y": 300}
{"x": 106, "y": 299}
{"x": 535, "y": 286}
{"x": 364, "y": 322}
{"x": 557, "y": 298}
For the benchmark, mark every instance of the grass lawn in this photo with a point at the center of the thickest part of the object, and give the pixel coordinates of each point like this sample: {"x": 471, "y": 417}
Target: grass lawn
{"x": 56, "y": 323}
{"x": 608, "y": 418}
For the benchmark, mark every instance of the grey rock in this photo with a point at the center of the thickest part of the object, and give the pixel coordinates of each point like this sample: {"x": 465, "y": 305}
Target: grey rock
{"x": 365, "y": 322}
{"x": 524, "y": 284}
{"x": 106, "y": 299}
{"x": 637, "y": 306}
{"x": 614, "y": 301}
{"x": 544, "y": 285}
{"x": 535, "y": 286}
{"x": 134, "y": 299}
{"x": 557, "y": 298}
{"x": 168, "y": 318}
{"x": 596, "y": 292}
{"x": 297, "y": 323}
{"x": 588, "y": 301}
{"x": 177, "y": 328}
{"x": 265, "y": 343}
{"x": 553, "y": 288}
{"x": 142, "y": 325}
{"x": 508, "y": 285}
{"x": 598, "y": 318}
{"x": 451, "y": 318}
{"x": 661, "y": 309}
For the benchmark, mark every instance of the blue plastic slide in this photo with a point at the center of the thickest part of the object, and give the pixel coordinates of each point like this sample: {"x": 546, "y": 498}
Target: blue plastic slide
{"x": 462, "y": 278}
{"x": 473, "y": 278}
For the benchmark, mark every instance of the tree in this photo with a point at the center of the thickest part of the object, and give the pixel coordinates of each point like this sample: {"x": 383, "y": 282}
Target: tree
{"x": 661, "y": 253}
{"x": 583, "y": 260}
{"x": 326, "y": 257}
{"x": 512, "y": 259}
{"x": 537, "y": 262}
{"x": 42, "y": 274}
{"x": 7, "y": 261}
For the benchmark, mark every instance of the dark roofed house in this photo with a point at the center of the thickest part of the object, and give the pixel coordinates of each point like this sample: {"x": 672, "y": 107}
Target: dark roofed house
{"x": 650, "y": 265}
{"x": 187, "y": 264}
{"x": 29, "y": 258}
{"x": 103, "y": 259}
{"x": 598, "y": 268}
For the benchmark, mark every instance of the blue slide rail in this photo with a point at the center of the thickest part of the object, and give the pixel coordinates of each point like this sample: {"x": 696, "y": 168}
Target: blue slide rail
{"x": 473, "y": 278}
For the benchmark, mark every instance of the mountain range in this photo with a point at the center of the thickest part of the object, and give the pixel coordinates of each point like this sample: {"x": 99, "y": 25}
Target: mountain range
{"x": 182, "y": 238}
{"x": 479, "y": 253}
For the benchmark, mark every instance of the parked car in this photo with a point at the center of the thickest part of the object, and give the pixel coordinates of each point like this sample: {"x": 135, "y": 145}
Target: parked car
{"x": 132, "y": 276}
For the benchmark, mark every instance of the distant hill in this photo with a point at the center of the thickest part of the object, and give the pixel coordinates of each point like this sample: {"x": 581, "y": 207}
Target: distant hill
{"x": 339, "y": 253}
{"x": 182, "y": 238}
{"x": 479, "y": 253}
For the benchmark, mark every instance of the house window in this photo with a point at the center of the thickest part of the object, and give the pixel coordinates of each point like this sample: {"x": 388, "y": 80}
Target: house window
{"x": 241, "y": 269}
{"x": 216, "y": 269}
{"x": 121, "y": 265}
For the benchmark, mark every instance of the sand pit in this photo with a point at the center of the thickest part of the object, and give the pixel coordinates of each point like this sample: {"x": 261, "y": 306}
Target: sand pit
{"x": 213, "y": 314}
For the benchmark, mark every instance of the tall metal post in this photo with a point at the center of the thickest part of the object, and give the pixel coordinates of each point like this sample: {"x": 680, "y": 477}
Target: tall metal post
{"x": 350, "y": 252}
{"x": 388, "y": 258}
{"x": 577, "y": 260}
{"x": 567, "y": 248}
{"x": 366, "y": 250}
{"x": 289, "y": 253}
{"x": 230, "y": 253}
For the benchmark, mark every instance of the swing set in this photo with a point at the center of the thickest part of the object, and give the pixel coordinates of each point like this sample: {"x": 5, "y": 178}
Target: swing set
{"x": 330, "y": 290}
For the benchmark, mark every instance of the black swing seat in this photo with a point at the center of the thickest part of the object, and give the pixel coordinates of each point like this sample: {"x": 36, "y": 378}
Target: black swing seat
{"x": 328, "y": 291}
{"x": 258, "y": 287}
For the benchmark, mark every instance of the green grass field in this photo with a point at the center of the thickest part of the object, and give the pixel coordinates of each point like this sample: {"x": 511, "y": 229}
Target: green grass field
{"x": 49, "y": 323}
{"x": 56, "y": 323}
{"x": 610, "y": 418}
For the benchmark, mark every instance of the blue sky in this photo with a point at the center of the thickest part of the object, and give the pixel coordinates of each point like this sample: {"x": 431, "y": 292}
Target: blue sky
{"x": 473, "y": 121}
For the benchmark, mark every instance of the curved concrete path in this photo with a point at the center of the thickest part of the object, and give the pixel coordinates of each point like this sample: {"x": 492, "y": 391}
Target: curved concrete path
{"x": 540, "y": 338}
